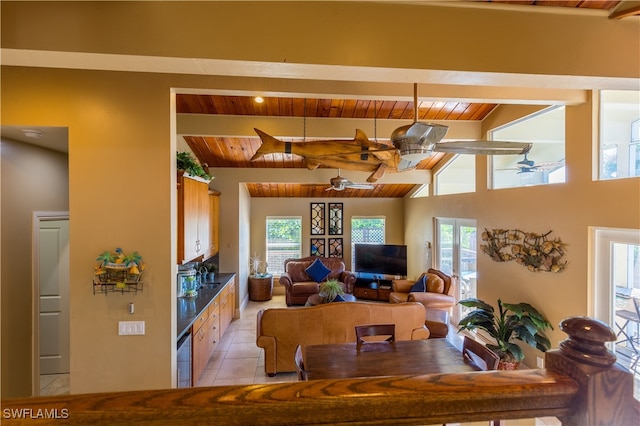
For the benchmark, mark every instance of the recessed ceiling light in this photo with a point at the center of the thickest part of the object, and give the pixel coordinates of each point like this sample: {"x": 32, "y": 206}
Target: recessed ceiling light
{"x": 30, "y": 133}
{"x": 259, "y": 99}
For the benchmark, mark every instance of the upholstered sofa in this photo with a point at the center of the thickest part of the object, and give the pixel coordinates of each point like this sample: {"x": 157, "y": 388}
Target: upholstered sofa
{"x": 299, "y": 284}
{"x": 438, "y": 293}
{"x": 280, "y": 330}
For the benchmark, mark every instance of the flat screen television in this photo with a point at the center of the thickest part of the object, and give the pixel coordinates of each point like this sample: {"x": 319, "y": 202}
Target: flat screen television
{"x": 388, "y": 259}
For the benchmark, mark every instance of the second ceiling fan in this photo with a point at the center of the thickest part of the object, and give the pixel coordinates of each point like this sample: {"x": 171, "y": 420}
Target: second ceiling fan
{"x": 340, "y": 183}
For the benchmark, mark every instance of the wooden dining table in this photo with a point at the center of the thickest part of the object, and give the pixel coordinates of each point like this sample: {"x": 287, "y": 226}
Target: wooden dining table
{"x": 407, "y": 357}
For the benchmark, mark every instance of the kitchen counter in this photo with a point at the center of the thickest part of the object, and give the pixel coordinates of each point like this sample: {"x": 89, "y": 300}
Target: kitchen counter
{"x": 189, "y": 308}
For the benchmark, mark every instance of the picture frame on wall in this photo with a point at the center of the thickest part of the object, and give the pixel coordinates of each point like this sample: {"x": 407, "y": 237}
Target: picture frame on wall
{"x": 335, "y": 247}
{"x": 317, "y": 247}
{"x": 317, "y": 218}
{"x": 335, "y": 218}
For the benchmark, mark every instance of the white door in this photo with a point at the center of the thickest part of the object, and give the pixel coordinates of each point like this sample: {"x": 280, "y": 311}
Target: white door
{"x": 53, "y": 282}
{"x": 456, "y": 254}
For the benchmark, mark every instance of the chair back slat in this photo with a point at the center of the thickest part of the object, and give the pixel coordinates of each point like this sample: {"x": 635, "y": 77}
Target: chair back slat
{"x": 478, "y": 354}
{"x": 375, "y": 330}
{"x": 302, "y": 373}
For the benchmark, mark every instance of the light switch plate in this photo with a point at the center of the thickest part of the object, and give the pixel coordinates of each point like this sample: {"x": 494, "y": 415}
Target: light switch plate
{"x": 129, "y": 328}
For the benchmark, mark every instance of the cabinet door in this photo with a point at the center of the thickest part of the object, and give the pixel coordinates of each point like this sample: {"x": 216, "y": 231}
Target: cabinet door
{"x": 188, "y": 216}
{"x": 204, "y": 222}
{"x": 200, "y": 353}
{"x": 214, "y": 211}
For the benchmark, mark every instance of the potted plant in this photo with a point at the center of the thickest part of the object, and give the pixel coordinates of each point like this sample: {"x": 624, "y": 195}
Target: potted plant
{"x": 186, "y": 162}
{"x": 512, "y": 322}
{"x": 330, "y": 289}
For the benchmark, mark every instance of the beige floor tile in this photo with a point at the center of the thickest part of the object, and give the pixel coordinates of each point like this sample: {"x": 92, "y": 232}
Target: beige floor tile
{"x": 233, "y": 368}
{"x": 207, "y": 378}
{"x": 245, "y": 336}
{"x": 215, "y": 361}
{"x": 243, "y": 350}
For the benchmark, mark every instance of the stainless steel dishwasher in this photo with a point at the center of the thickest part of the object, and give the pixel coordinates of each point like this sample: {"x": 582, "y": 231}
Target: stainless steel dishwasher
{"x": 183, "y": 356}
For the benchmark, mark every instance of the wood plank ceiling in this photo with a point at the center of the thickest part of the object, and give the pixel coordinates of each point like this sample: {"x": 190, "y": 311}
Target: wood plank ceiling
{"x": 237, "y": 152}
{"x": 215, "y": 151}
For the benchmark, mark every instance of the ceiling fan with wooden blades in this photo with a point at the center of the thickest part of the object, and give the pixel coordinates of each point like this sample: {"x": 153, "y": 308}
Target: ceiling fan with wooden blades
{"x": 410, "y": 145}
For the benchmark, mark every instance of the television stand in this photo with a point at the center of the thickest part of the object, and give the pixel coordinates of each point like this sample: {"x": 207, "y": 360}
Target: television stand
{"x": 372, "y": 289}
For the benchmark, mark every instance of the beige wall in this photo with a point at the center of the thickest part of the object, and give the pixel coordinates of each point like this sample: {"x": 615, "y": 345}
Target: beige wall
{"x": 383, "y": 35}
{"x": 33, "y": 179}
{"x": 120, "y": 195}
{"x": 567, "y": 209}
{"x": 390, "y": 208}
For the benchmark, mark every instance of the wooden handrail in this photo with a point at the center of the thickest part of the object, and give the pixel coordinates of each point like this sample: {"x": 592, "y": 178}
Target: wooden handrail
{"x": 578, "y": 392}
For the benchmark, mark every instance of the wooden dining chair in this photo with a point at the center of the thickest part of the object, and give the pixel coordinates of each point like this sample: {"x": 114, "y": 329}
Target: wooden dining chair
{"x": 372, "y": 330}
{"x": 479, "y": 355}
{"x": 483, "y": 358}
{"x": 302, "y": 373}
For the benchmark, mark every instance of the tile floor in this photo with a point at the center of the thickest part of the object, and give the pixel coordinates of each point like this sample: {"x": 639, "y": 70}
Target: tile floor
{"x": 238, "y": 361}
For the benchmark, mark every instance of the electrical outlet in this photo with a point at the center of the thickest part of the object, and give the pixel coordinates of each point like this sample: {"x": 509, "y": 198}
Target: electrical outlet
{"x": 129, "y": 328}
{"x": 540, "y": 362}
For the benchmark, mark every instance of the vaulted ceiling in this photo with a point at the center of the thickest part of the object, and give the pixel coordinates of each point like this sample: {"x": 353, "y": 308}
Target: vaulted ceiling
{"x": 217, "y": 150}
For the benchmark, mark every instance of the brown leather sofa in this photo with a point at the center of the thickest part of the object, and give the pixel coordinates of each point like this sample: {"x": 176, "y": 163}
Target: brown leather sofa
{"x": 299, "y": 285}
{"x": 280, "y": 330}
{"x": 438, "y": 295}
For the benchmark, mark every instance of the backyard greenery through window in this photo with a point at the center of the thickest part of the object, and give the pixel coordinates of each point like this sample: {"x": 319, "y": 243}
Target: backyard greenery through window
{"x": 284, "y": 241}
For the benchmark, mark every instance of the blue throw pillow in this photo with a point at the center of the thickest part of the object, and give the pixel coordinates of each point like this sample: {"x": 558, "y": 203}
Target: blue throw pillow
{"x": 419, "y": 286}
{"x": 317, "y": 271}
{"x": 338, "y": 298}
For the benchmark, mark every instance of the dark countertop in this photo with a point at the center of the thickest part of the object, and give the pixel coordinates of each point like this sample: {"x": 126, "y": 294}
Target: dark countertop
{"x": 189, "y": 308}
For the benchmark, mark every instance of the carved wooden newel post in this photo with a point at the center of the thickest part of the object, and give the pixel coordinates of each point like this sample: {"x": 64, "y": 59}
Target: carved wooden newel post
{"x": 606, "y": 388}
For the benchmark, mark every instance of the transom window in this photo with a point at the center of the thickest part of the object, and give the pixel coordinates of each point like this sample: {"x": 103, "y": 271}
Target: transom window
{"x": 544, "y": 164}
{"x": 619, "y": 134}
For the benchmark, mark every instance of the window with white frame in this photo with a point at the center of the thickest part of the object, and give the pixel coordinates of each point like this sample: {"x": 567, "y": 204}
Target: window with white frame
{"x": 457, "y": 176}
{"x": 284, "y": 241}
{"x": 544, "y": 163}
{"x": 366, "y": 230}
{"x": 619, "y": 134}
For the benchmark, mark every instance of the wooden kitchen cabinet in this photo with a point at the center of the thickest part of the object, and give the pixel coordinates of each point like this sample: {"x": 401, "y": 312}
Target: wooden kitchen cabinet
{"x": 200, "y": 346}
{"x": 214, "y": 211}
{"x": 209, "y": 327}
{"x": 227, "y": 306}
{"x": 194, "y": 219}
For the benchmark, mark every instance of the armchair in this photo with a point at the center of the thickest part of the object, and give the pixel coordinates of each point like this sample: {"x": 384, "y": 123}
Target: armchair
{"x": 299, "y": 285}
{"x": 437, "y": 295}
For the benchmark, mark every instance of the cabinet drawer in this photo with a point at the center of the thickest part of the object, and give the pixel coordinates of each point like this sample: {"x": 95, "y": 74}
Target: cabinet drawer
{"x": 213, "y": 337}
{"x": 214, "y": 307}
{"x": 198, "y": 323}
{"x": 365, "y": 293}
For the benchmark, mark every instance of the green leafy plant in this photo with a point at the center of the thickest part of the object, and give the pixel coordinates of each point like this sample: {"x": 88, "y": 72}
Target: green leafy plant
{"x": 513, "y": 321}
{"x": 186, "y": 162}
{"x": 330, "y": 289}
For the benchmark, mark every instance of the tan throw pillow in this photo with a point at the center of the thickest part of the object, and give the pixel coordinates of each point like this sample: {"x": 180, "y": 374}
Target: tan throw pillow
{"x": 435, "y": 284}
